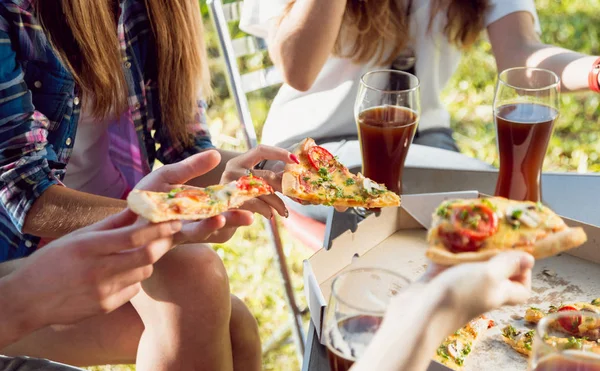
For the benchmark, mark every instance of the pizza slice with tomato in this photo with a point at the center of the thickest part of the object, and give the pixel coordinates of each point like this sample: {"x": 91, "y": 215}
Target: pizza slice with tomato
{"x": 320, "y": 179}
{"x": 192, "y": 203}
{"x": 574, "y": 326}
{"x": 522, "y": 341}
{"x": 455, "y": 349}
{"x": 477, "y": 229}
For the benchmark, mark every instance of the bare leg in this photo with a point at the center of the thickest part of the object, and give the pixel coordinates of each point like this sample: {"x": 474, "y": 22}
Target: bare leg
{"x": 181, "y": 321}
{"x": 245, "y": 341}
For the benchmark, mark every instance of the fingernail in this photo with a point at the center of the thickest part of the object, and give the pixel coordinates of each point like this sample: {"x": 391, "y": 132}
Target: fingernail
{"x": 175, "y": 226}
{"x": 287, "y": 213}
{"x": 294, "y": 158}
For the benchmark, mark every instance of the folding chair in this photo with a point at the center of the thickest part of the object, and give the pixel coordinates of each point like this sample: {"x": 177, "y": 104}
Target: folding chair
{"x": 222, "y": 15}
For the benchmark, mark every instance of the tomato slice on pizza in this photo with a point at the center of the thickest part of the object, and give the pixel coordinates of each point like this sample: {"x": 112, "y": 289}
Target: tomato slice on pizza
{"x": 192, "y": 203}
{"x": 477, "y": 229}
{"x": 320, "y": 179}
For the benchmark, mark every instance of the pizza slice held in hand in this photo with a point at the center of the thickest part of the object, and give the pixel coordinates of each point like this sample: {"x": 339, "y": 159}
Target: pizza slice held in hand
{"x": 192, "y": 203}
{"x": 477, "y": 229}
{"x": 320, "y": 179}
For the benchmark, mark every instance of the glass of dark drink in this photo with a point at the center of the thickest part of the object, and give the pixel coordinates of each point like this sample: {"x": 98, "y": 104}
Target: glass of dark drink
{"x": 387, "y": 112}
{"x": 567, "y": 341}
{"x": 359, "y": 299}
{"x": 526, "y": 104}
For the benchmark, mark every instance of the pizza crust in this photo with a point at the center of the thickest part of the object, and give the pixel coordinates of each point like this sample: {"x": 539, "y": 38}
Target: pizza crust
{"x": 552, "y": 244}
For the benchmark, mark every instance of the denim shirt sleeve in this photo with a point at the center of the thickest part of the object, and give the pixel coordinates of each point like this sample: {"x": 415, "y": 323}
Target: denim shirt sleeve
{"x": 171, "y": 151}
{"x": 25, "y": 172}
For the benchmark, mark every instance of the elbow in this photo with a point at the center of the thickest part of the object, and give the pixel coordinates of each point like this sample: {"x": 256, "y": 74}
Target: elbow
{"x": 297, "y": 80}
{"x": 293, "y": 71}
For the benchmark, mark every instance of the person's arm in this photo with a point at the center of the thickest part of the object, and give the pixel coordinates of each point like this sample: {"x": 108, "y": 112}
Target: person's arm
{"x": 419, "y": 319}
{"x": 61, "y": 210}
{"x": 425, "y": 320}
{"x": 515, "y": 43}
{"x": 301, "y": 42}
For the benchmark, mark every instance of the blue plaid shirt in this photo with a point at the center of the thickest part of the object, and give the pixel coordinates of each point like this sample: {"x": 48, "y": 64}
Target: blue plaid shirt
{"x": 39, "y": 112}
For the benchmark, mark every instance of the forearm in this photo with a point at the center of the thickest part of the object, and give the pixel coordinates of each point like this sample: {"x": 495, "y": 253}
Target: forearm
{"x": 408, "y": 341}
{"x": 305, "y": 38}
{"x": 214, "y": 176}
{"x": 61, "y": 210}
{"x": 572, "y": 68}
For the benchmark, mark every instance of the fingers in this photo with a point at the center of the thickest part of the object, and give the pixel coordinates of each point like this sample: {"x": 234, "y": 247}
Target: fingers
{"x": 258, "y": 206}
{"x": 341, "y": 209}
{"x": 190, "y": 168}
{"x": 515, "y": 293}
{"x": 121, "y": 297}
{"x": 510, "y": 264}
{"x": 262, "y": 152}
{"x": 121, "y": 219}
{"x": 276, "y": 203}
{"x": 127, "y": 238}
{"x": 270, "y": 177}
{"x": 199, "y": 231}
{"x": 137, "y": 264}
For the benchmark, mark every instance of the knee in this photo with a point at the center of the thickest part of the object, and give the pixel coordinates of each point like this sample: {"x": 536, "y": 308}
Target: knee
{"x": 243, "y": 326}
{"x": 191, "y": 276}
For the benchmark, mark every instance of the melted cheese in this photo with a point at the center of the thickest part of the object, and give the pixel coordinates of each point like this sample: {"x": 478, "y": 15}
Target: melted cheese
{"x": 508, "y": 235}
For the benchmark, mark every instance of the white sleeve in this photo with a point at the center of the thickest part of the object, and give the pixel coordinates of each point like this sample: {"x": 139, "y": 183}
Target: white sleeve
{"x": 257, "y": 14}
{"x": 501, "y": 8}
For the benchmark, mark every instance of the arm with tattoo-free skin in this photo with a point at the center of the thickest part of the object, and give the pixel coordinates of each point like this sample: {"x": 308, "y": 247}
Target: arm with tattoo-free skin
{"x": 420, "y": 318}
{"x": 515, "y": 43}
{"x": 302, "y": 42}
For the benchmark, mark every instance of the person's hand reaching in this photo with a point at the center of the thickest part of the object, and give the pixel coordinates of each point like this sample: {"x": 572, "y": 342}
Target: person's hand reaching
{"x": 476, "y": 288}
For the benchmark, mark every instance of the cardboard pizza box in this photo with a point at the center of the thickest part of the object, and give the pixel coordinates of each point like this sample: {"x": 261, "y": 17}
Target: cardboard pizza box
{"x": 395, "y": 240}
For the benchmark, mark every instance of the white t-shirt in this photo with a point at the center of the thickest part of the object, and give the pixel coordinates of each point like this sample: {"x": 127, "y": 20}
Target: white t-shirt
{"x": 327, "y": 108}
{"x": 90, "y": 167}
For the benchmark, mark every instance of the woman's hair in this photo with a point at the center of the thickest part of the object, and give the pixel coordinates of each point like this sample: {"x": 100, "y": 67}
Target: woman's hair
{"x": 84, "y": 35}
{"x": 369, "y": 25}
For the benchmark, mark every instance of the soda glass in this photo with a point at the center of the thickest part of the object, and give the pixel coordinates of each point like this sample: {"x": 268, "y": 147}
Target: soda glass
{"x": 387, "y": 112}
{"x": 567, "y": 341}
{"x": 526, "y": 104}
{"x": 359, "y": 299}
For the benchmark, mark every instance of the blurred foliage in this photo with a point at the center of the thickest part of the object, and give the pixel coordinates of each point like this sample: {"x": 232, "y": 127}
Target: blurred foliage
{"x": 574, "y": 147}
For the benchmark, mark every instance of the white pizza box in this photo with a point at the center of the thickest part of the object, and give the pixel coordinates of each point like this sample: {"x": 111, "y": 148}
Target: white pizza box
{"x": 395, "y": 240}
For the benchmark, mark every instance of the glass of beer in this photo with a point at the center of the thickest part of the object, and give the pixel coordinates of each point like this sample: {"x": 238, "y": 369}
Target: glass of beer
{"x": 526, "y": 104}
{"x": 387, "y": 112}
{"x": 567, "y": 341}
{"x": 359, "y": 299}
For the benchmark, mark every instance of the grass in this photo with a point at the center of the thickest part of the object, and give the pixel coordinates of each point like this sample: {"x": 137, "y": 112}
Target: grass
{"x": 574, "y": 147}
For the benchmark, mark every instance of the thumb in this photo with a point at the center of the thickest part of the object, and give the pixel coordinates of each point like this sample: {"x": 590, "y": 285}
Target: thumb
{"x": 514, "y": 293}
{"x": 510, "y": 264}
{"x": 190, "y": 168}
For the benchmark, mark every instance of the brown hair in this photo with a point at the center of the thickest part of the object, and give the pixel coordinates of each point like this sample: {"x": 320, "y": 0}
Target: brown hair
{"x": 84, "y": 35}
{"x": 369, "y": 25}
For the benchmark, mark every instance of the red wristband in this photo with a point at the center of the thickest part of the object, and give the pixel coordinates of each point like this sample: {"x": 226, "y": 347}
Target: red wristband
{"x": 593, "y": 77}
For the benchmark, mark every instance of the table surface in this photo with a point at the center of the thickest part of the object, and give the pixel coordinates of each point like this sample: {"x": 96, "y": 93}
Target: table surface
{"x": 464, "y": 174}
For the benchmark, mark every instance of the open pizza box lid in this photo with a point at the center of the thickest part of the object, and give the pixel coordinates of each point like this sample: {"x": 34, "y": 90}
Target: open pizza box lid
{"x": 395, "y": 240}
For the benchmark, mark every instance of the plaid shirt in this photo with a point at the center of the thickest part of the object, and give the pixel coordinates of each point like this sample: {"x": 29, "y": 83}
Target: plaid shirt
{"x": 39, "y": 111}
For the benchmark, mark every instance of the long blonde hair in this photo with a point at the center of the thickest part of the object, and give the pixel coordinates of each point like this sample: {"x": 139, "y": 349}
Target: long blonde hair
{"x": 368, "y": 25}
{"x": 84, "y": 35}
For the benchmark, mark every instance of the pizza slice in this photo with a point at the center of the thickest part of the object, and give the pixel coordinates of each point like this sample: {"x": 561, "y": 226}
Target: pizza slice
{"x": 192, "y": 203}
{"x": 454, "y": 351}
{"x": 575, "y": 326}
{"x": 477, "y": 229}
{"x": 522, "y": 341}
{"x": 320, "y": 179}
